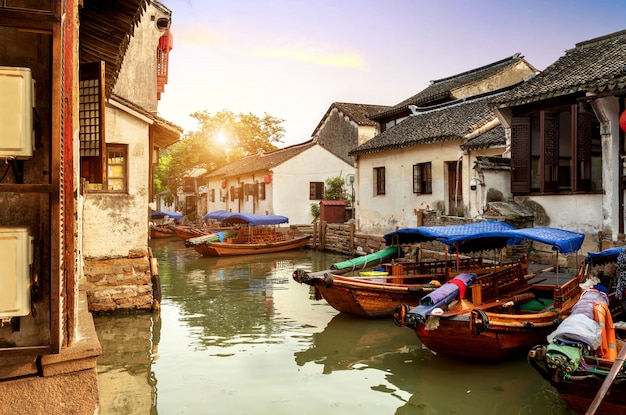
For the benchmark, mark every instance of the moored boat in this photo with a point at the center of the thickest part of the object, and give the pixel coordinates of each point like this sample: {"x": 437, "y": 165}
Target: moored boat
{"x": 185, "y": 232}
{"x": 161, "y": 231}
{"x": 498, "y": 315}
{"x": 377, "y": 296}
{"x": 254, "y": 234}
{"x": 159, "y": 227}
{"x": 583, "y": 358}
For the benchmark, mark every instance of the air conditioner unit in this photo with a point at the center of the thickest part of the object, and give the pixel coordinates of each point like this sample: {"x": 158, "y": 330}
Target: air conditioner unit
{"x": 17, "y": 100}
{"x": 16, "y": 257}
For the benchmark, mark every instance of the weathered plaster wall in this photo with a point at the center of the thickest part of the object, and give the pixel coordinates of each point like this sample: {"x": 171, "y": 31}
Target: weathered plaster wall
{"x": 397, "y": 207}
{"x": 493, "y": 185}
{"x": 137, "y": 79}
{"x": 128, "y": 231}
{"x": 576, "y": 212}
{"x": 115, "y": 226}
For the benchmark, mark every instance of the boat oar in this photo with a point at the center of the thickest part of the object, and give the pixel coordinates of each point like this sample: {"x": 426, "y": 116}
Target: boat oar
{"x": 617, "y": 366}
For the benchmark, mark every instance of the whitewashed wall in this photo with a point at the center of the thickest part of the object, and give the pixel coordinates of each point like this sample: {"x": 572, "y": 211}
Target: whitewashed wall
{"x": 287, "y": 192}
{"x": 116, "y": 223}
{"x": 291, "y": 181}
{"x": 397, "y": 207}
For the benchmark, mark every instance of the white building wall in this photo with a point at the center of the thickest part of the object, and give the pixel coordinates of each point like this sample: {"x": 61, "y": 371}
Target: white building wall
{"x": 116, "y": 223}
{"x": 290, "y": 182}
{"x": 398, "y": 207}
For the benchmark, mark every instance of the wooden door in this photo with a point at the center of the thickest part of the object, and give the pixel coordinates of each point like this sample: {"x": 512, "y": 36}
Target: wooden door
{"x": 455, "y": 187}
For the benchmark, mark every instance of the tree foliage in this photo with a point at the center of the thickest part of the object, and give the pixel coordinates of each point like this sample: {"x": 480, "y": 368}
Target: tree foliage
{"x": 334, "y": 189}
{"x": 219, "y": 139}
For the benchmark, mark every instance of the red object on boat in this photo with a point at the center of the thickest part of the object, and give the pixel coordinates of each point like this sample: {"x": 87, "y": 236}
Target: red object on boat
{"x": 267, "y": 179}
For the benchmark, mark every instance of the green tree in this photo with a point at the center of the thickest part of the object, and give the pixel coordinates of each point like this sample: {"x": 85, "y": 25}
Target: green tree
{"x": 219, "y": 139}
{"x": 334, "y": 189}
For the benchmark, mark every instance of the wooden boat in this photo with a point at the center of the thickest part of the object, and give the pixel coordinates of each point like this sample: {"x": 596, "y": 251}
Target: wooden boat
{"x": 159, "y": 228}
{"x": 161, "y": 231}
{"x": 581, "y": 358}
{"x": 498, "y": 315}
{"x": 372, "y": 296}
{"x": 379, "y": 296}
{"x": 256, "y": 235}
{"x": 185, "y": 232}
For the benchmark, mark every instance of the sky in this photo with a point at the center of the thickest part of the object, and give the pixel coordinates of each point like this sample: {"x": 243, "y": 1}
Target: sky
{"x": 292, "y": 59}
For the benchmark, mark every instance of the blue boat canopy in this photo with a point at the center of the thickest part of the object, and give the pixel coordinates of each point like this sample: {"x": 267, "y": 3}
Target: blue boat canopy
{"x": 433, "y": 233}
{"x": 218, "y": 215}
{"x": 482, "y": 236}
{"x": 561, "y": 240}
{"x": 604, "y": 257}
{"x": 160, "y": 215}
{"x": 252, "y": 219}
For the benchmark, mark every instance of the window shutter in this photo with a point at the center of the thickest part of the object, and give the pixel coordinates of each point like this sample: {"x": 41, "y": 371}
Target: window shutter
{"x": 550, "y": 147}
{"x": 520, "y": 155}
{"x": 93, "y": 153}
{"x": 584, "y": 132}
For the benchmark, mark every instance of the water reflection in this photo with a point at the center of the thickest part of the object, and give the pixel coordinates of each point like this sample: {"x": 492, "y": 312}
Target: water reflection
{"x": 239, "y": 336}
{"x": 126, "y": 380}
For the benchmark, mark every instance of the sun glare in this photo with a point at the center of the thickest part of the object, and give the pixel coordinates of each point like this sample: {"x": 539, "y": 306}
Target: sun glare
{"x": 221, "y": 138}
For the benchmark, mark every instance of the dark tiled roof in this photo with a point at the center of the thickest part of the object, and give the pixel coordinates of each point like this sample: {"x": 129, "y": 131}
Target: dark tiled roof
{"x": 442, "y": 88}
{"x": 359, "y": 113}
{"x": 450, "y": 122}
{"x": 596, "y": 65}
{"x": 492, "y": 138}
{"x": 261, "y": 161}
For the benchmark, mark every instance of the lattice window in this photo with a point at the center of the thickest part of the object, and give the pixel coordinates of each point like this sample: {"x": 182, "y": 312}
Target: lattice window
{"x": 91, "y": 122}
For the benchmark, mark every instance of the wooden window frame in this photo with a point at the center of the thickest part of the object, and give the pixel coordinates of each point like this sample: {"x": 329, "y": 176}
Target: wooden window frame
{"x": 379, "y": 181}
{"x": 550, "y": 128}
{"x": 105, "y": 186}
{"x": 422, "y": 178}
{"x": 92, "y": 135}
{"x": 316, "y": 190}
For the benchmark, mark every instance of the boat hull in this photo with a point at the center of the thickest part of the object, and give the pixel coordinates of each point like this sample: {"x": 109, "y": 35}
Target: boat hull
{"x": 232, "y": 249}
{"x": 368, "y": 299}
{"x": 580, "y": 389}
{"x": 379, "y": 297}
{"x": 160, "y": 232}
{"x": 504, "y": 338}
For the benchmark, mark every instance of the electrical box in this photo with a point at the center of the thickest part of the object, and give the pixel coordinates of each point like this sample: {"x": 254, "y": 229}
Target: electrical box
{"x": 16, "y": 257}
{"x": 17, "y": 100}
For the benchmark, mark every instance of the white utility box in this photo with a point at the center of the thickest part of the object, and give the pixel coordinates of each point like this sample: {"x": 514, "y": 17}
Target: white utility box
{"x": 16, "y": 257}
{"x": 17, "y": 100}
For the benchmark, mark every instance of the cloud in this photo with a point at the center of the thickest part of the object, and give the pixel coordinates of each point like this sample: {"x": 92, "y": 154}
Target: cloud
{"x": 353, "y": 60}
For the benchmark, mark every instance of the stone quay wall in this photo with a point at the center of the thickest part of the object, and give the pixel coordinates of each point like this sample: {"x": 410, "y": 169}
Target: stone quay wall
{"x": 121, "y": 283}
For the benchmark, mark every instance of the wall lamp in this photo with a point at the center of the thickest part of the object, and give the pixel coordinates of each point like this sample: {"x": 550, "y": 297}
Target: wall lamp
{"x": 474, "y": 182}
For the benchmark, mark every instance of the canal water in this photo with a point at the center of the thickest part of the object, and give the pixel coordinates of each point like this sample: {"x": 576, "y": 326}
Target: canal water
{"x": 240, "y": 336}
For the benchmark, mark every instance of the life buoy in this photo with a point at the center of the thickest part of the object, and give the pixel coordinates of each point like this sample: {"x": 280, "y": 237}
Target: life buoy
{"x": 602, "y": 315}
{"x": 479, "y": 322}
{"x": 400, "y": 314}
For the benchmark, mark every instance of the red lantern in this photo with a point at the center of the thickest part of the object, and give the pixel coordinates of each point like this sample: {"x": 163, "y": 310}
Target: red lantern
{"x": 267, "y": 179}
{"x": 223, "y": 184}
{"x": 622, "y": 121}
{"x": 166, "y": 42}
